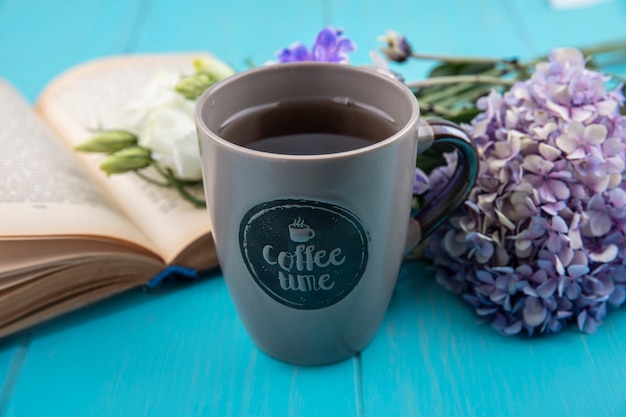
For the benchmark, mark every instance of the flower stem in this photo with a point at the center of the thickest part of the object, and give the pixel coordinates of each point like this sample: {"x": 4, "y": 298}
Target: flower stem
{"x": 605, "y": 48}
{"x": 151, "y": 180}
{"x": 446, "y": 93}
{"x": 179, "y": 186}
{"x": 455, "y": 79}
{"x": 470, "y": 95}
{"x": 615, "y": 77}
{"x": 182, "y": 191}
{"x": 160, "y": 170}
{"x": 452, "y": 90}
{"x": 463, "y": 60}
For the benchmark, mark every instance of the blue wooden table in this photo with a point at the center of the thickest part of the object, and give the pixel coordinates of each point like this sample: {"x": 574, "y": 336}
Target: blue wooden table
{"x": 181, "y": 350}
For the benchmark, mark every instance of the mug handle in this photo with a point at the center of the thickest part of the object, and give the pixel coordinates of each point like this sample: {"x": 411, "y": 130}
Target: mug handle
{"x": 438, "y": 132}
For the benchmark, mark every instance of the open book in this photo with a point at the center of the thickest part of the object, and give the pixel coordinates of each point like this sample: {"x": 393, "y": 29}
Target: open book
{"x": 70, "y": 235}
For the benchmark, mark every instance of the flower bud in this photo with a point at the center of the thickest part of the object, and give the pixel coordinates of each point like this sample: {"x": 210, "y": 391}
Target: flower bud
{"x": 194, "y": 85}
{"x": 216, "y": 68}
{"x": 208, "y": 71}
{"x": 398, "y": 48}
{"x": 127, "y": 159}
{"x": 108, "y": 141}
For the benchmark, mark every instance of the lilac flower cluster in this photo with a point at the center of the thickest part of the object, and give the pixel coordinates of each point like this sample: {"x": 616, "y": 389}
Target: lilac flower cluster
{"x": 541, "y": 241}
{"x": 329, "y": 46}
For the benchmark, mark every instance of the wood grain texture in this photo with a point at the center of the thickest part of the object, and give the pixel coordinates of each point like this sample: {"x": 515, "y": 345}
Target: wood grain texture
{"x": 11, "y": 362}
{"x": 546, "y": 28}
{"x": 181, "y": 350}
{"x": 40, "y": 39}
{"x": 172, "y": 353}
{"x": 442, "y": 362}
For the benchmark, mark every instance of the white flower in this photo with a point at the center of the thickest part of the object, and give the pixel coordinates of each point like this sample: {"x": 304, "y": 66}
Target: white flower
{"x": 164, "y": 122}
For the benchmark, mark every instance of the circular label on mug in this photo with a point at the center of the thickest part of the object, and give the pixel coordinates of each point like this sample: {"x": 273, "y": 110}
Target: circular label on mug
{"x": 304, "y": 254}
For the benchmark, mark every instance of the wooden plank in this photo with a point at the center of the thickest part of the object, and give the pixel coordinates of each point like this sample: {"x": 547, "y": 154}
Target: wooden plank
{"x": 241, "y": 30}
{"x": 235, "y": 31}
{"x": 13, "y": 355}
{"x": 440, "y": 361}
{"x": 444, "y": 27}
{"x": 40, "y": 39}
{"x": 550, "y": 28}
{"x": 169, "y": 353}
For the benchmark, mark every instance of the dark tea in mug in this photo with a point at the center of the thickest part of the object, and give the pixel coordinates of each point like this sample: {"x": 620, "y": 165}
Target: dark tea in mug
{"x": 308, "y": 126}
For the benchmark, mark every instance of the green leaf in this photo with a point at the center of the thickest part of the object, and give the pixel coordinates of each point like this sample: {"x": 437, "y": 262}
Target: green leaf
{"x": 430, "y": 159}
{"x": 466, "y": 115}
{"x": 448, "y": 69}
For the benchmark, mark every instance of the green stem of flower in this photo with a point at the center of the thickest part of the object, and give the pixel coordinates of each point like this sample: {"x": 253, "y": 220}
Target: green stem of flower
{"x": 455, "y": 79}
{"x": 182, "y": 191}
{"x": 179, "y": 185}
{"x": 463, "y": 60}
{"x": 444, "y": 93}
{"x": 188, "y": 183}
{"x": 452, "y": 90}
{"x": 470, "y": 95}
{"x": 160, "y": 170}
{"x": 616, "y": 77}
{"x": 151, "y": 180}
{"x": 604, "y": 48}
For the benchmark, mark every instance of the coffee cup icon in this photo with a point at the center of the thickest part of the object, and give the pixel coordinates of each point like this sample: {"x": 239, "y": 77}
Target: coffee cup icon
{"x": 299, "y": 232}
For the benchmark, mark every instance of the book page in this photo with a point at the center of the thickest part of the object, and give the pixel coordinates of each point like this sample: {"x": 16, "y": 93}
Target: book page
{"x": 94, "y": 96}
{"x": 55, "y": 254}
{"x": 43, "y": 190}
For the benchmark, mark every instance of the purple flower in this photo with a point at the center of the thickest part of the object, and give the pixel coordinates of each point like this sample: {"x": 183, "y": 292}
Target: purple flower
{"x": 421, "y": 182}
{"x": 329, "y": 46}
{"x": 579, "y": 141}
{"x": 397, "y": 48}
{"x": 541, "y": 240}
{"x": 548, "y": 181}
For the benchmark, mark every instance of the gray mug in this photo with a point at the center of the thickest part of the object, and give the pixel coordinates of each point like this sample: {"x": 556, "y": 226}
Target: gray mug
{"x": 310, "y": 246}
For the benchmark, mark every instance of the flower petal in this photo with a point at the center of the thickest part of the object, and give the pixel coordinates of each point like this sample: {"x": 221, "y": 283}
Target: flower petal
{"x": 577, "y": 271}
{"x": 559, "y": 189}
{"x": 559, "y": 225}
{"x": 618, "y": 297}
{"x": 534, "y": 312}
{"x": 608, "y": 254}
{"x": 571, "y": 56}
{"x": 595, "y": 134}
{"x": 537, "y": 164}
{"x": 514, "y": 328}
{"x": 421, "y": 182}
{"x": 600, "y": 223}
{"x": 547, "y": 289}
{"x": 549, "y": 152}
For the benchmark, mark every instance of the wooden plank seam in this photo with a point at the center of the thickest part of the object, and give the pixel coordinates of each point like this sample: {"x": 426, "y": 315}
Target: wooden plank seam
{"x": 358, "y": 385}
{"x": 13, "y": 374}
